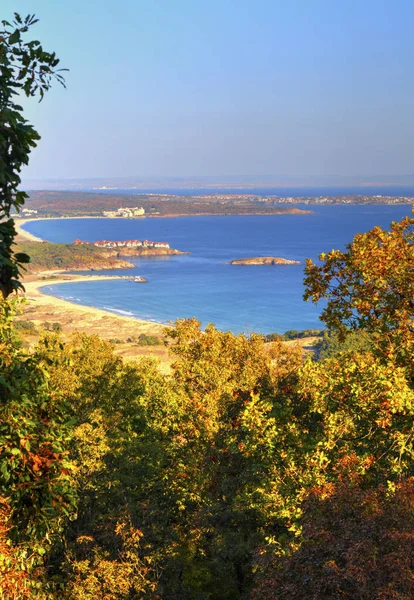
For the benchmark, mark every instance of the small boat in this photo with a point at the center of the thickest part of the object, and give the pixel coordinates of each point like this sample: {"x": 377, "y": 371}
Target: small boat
{"x": 140, "y": 279}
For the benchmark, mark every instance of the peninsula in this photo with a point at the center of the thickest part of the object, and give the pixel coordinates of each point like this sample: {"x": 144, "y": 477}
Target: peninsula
{"x": 118, "y": 205}
{"x": 83, "y": 256}
{"x": 264, "y": 260}
{"x": 74, "y": 204}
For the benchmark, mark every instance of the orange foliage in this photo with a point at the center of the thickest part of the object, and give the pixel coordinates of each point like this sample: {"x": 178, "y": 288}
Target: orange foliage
{"x": 13, "y": 578}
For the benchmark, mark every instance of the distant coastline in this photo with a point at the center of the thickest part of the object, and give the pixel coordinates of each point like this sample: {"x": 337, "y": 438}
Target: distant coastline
{"x": 138, "y": 204}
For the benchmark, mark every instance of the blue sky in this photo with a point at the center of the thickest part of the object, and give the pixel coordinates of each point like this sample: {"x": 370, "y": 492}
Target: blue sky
{"x": 220, "y": 87}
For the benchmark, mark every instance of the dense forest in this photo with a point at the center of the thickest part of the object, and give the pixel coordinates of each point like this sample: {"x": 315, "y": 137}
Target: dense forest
{"x": 244, "y": 473}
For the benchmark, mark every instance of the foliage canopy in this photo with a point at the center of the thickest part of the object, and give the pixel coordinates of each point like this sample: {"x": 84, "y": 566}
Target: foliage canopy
{"x": 370, "y": 287}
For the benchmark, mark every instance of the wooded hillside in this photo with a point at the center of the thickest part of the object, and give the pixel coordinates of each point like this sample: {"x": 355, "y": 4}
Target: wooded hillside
{"x": 247, "y": 473}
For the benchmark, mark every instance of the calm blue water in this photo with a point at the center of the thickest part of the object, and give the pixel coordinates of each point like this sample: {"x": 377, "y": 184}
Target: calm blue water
{"x": 202, "y": 284}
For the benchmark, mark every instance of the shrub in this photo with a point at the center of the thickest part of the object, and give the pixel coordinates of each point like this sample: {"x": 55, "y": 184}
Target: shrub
{"x": 25, "y": 327}
{"x": 148, "y": 340}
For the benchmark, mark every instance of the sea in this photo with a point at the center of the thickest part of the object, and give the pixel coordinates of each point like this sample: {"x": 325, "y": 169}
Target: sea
{"x": 202, "y": 284}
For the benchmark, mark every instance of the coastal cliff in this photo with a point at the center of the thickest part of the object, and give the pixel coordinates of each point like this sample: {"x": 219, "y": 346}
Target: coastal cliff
{"x": 264, "y": 260}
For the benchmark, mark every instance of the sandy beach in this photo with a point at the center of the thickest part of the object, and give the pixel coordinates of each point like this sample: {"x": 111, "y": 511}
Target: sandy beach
{"x": 22, "y": 233}
{"x": 41, "y": 308}
{"x": 87, "y": 318}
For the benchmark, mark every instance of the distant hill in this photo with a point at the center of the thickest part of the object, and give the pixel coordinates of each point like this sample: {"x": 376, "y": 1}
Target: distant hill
{"x": 57, "y": 204}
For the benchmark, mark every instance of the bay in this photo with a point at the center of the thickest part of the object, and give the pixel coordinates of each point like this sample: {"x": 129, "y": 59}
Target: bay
{"x": 202, "y": 284}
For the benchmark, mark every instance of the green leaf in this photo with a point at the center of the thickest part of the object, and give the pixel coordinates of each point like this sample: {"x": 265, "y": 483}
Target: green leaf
{"x": 14, "y": 37}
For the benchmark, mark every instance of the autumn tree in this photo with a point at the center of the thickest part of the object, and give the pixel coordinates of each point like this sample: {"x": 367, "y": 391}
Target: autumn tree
{"x": 370, "y": 286}
{"x": 35, "y": 490}
{"x": 364, "y": 408}
{"x": 178, "y": 478}
{"x": 25, "y": 69}
{"x": 35, "y": 484}
{"x": 357, "y": 543}
{"x": 231, "y": 446}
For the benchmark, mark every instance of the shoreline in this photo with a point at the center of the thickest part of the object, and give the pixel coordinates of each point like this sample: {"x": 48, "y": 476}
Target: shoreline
{"x": 34, "y": 295}
{"x": 123, "y": 331}
{"x": 19, "y": 223}
{"x": 33, "y": 292}
{"x": 26, "y": 235}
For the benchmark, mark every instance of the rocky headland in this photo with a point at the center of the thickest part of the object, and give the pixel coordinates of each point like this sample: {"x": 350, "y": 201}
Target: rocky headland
{"x": 45, "y": 256}
{"x": 264, "y": 260}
